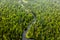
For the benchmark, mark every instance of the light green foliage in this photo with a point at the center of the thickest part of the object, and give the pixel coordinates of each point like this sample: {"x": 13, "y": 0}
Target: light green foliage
{"x": 16, "y": 15}
{"x": 47, "y": 25}
{"x": 13, "y": 20}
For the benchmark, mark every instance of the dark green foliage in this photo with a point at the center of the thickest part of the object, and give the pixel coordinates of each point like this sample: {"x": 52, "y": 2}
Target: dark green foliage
{"x": 47, "y": 25}
{"x": 13, "y": 20}
{"x": 15, "y": 16}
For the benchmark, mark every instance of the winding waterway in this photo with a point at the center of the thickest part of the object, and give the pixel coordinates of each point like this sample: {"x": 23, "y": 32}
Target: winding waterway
{"x": 24, "y": 33}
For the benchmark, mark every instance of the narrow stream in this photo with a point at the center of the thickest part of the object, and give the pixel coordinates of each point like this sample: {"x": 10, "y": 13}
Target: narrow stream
{"x": 24, "y": 33}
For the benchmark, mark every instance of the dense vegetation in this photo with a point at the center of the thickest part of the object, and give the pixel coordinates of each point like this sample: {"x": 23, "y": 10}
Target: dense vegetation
{"x": 16, "y": 15}
{"x": 13, "y": 20}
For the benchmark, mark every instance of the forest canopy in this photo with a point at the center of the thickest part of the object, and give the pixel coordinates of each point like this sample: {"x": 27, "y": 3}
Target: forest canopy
{"x": 43, "y": 16}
